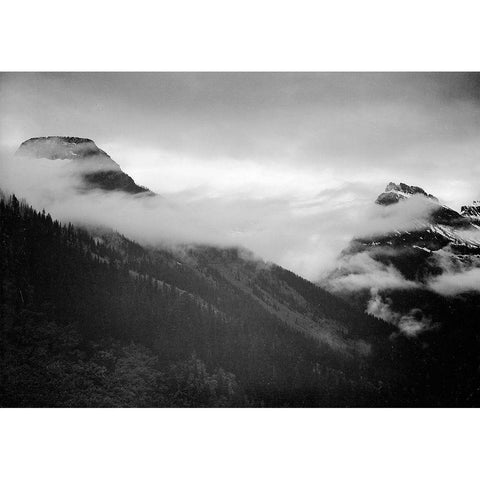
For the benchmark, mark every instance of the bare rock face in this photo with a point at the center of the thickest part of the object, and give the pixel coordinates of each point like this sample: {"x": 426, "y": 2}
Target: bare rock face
{"x": 400, "y": 192}
{"x": 97, "y": 168}
{"x": 393, "y": 193}
{"x": 471, "y": 210}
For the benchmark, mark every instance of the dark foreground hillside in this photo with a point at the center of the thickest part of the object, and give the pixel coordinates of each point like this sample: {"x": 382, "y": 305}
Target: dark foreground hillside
{"x": 92, "y": 322}
{"x": 94, "y": 319}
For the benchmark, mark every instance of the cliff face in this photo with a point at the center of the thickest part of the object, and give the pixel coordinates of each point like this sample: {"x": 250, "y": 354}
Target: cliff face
{"x": 393, "y": 193}
{"x": 97, "y": 168}
{"x": 472, "y": 212}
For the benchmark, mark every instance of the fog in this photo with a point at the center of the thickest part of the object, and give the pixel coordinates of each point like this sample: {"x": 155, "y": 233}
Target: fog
{"x": 287, "y": 165}
{"x": 264, "y": 134}
{"x": 411, "y": 324}
{"x": 304, "y": 236}
{"x": 360, "y": 271}
{"x": 457, "y": 276}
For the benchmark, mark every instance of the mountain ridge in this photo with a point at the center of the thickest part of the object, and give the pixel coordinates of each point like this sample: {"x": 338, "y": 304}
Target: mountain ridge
{"x": 427, "y": 292}
{"x": 248, "y": 333}
{"x": 443, "y": 227}
{"x": 396, "y": 192}
{"x": 98, "y": 169}
{"x": 235, "y": 315}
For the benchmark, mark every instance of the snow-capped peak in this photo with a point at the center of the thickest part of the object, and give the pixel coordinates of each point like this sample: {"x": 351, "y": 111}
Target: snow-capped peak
{"x": 471, "y": 210}
{"x": 395, "y": 192}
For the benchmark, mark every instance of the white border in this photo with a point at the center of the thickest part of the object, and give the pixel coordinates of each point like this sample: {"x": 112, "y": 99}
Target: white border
{"x": 252, "y": 35}
{"x": 239, "y": 444}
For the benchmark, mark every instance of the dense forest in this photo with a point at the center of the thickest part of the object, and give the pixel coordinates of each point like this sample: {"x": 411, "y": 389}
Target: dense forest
{"x": 88, "y": 324}
{"x": 90, "y": 318}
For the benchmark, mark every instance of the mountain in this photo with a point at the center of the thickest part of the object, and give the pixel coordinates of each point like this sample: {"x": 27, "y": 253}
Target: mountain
{"x": 442, "y": 229}
{"x": 472, "y": 212}
{"x": 429, "y": 290}
{"x": 94, "y": 319}
{"x": 440, "y": 214}
{"x": 96, "y": 167}
{"x": 393, "y": 193}
{"x": 438, "y": 238}
{"x": 91, "y": 318}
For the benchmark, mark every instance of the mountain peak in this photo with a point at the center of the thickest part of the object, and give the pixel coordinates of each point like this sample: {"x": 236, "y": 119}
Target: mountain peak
{"x": 472, "y": 210}
{"x": 55, "y": 147}
{"x": 98, "y": 168}
{"x": 396, "y": 192}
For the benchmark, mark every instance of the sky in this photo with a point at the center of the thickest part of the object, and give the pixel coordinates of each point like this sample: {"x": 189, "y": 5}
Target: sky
{"x": 286, "y": 164}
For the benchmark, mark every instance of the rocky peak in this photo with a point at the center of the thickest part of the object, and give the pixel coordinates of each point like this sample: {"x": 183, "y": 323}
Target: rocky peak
{"x": 97, "y": 168}
{"x": 440, "y": 214}
{"x": 395, "y": 192}
{"x": 60, "y": 147}
{"x": 471, "y": 210}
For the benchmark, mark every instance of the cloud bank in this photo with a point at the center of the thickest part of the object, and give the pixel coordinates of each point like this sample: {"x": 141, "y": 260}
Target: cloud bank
{"x": 302, "y": 234}
{"x": 286, "y": 165}
{"x": 411, "y": 324}
{"x": 177, "y": 131}
{"x": 361, "y": 272}
{"x": 459, "y": 275}
{"x": 451, "y": 284}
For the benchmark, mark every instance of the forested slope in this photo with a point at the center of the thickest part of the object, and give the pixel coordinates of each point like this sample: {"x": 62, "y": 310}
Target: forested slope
{"x": 101, "y": 321}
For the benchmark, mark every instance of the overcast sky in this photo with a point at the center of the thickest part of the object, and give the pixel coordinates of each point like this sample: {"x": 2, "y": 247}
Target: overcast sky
{"x": 297, "y": 142}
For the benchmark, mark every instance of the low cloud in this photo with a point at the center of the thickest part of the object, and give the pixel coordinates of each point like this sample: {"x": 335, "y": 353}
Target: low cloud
{"x": 375, "y": 127}
{"x": 460, "y": 274}
{"x": 361, "y": 272}
{"x": 411, "y": 324}
{"x": 304, "y": 233}
{"x": 455, "y": 283}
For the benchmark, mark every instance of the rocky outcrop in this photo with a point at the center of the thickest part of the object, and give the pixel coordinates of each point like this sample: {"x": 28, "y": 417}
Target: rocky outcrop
{"x": 393, "y": 193}
{"x": 471, "y": 210}
{"x": 96, "y": 167}
{"x": 439, "y": 214}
